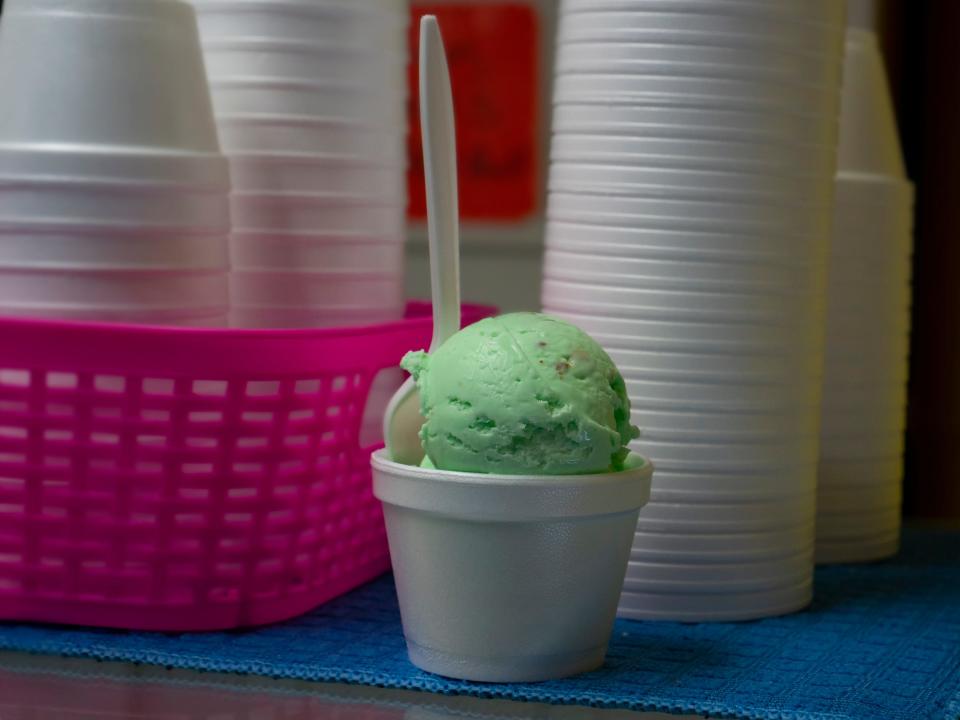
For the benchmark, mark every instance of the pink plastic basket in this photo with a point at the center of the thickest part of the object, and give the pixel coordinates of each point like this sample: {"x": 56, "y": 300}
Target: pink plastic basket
{"x": 188, "y": 479}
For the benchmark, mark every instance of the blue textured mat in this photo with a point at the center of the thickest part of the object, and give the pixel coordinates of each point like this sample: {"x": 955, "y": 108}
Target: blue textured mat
{"x": 880, "y": 642}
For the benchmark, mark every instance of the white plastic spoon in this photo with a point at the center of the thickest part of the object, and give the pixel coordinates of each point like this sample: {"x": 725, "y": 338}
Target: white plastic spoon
{"x": 402, "y": 420}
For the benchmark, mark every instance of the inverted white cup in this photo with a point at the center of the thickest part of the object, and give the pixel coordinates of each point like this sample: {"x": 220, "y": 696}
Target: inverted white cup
{"x": 333, "y": 136}
{"x": 714, "y": 366}
{"x": 846, "y": 524}
{"x": 76, "y": 201}
{"x": 662, "y": 120}
{"x": 748, "y": 92}
{"x": 761, "y": 547}
{"x": 664, "y": 336}
{"x": 645, "y": 576}
{"x": 727, "y": 28}
{"x": 315, "y": 212}
{"x": 777, "y": 157}
{"x": 640, "y": 176}
{"x": 705, "y": 243}
{"x": 316, "y": 174}
{"x": 728, "y": 456}
{"x": 99, "y": 74}
{"x": 789, "y": 510}
{"x": 868, "y": 128}
{"x": 689, "y": 57}
{"x": 243, "y": 96}
{"x": 858, "y": 550}
{"x": 297, "y": 316}
{"x": 756, "y": 482}
{"x": 508, "y": 578}
{"x": 354, "y": 23}
{"x": 880, "y": 495}
{"x": 663, "y": 213}
{"x": 714, "y": 607}
{"x": 272, "y": 58}
{"x": 706, "y": 273}
{"x": 759, "y": 426}
{"x": 84, "y": 248}
{"x": 317, "y": 289}
{"x": 93, "y": 293}
{"x": 300, "y": 252}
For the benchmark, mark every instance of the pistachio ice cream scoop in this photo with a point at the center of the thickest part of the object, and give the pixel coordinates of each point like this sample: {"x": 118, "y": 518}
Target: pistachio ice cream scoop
{"x": 523, "y": 393}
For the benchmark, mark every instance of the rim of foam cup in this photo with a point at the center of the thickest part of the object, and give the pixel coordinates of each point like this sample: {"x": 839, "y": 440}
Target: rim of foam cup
{"x": 511, "y": 498}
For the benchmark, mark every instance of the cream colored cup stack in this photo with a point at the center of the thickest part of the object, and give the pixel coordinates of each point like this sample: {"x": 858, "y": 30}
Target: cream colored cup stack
{"x": 868, "y": 318}
{"x": 689, "y": 214}
{"x": 310, "y": 103}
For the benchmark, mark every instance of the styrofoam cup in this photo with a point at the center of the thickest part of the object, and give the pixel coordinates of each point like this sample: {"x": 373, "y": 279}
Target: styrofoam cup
{"x": 846, "y": 524}
{"x": 858, "y": 550}
{"x": 746, "y": 92}
{"x": 100, "y": 74}
{"x": 316, "y": 289}
{"x": 350, "y": 23}
{"x": 246, "y": 95}
{"x": 851, "y": 473}
{"x": 681, "y": 302}
{"x": 319, "y": 213}
{"x": 297, "y": 316}
{"x": 645, "y": 576}
{"x": 863, "y": 445}
{"x": 729, "y": 457}
{"x": 780, "y": 156}
{"x": 88, "y": 202}
{"x": 655, "y": 424}
{"x": 656, "y": 241}
{"x": 260, "y": 172}
{"x": 774, "y": 512}
{"x": 705, "y": 274}
{"x": 96, "y": 293}
{"x": 641, "y": 175}
{"x": 508, "y": 578}
{"x": 699, "y": 366}
{"x": 756, "y": 482}
{"x": 706, "y": 337}
{"x": 736, "y": 29}
{"x": 715, "y": 607}
{"x": 796, "y": 217}
{"x": 666, "y": 121}
{"x": 335, "y": 136}
{"x": 692, "y": 58}
{"x": 274, "y": 58}
{"x": 654, "y": 307}
{"x": 85, "y": 248}
{"x": 298, "y": 252}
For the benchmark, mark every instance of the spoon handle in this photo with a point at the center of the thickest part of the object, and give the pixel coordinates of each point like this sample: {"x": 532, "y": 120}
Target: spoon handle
{"x": 440, "y": 166}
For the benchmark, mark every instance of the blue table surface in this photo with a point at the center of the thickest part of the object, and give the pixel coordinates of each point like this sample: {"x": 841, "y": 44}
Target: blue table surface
{"x": 880, "y": 641}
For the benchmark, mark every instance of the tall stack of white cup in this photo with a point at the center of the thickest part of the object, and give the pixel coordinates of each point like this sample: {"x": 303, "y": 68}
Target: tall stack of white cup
{"x": 868, "y": 321}
{"x": 690, "y": 207}
{"x": 113, "y": 192}
{"x": 310, "y": 101}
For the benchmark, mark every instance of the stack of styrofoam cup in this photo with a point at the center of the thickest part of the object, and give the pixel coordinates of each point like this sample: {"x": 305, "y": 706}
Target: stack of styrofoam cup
{"x": 689, "y": 212}
{"x": 868, "y": 322}
{"x": 113, "y": 192}
{"x": 310, "y": 101}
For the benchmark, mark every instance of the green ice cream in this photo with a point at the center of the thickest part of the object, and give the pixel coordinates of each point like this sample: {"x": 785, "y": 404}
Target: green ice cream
{"x": 522, "y": 394}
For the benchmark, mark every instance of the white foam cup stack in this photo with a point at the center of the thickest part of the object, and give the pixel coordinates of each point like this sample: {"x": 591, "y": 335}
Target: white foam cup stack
{"x": 688, "y": 221}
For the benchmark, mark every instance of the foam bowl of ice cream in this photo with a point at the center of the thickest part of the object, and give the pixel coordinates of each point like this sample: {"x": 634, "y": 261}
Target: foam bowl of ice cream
{"x": 510, "y": 541}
